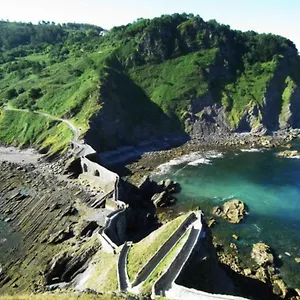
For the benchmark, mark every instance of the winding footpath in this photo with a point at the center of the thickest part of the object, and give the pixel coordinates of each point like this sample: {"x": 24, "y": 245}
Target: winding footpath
{"x": 74, "y": 129}
{"x": 82, "y": 148}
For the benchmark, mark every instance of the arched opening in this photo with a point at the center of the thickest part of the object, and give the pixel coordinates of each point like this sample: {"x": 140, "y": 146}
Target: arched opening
{"x": 85, "y": 169}
{"x": 97, "y": 173}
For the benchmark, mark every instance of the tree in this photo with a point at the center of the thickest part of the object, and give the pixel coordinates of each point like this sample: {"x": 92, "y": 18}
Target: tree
{"x": 11, "y": 93}
{"x": 35, "y": 93}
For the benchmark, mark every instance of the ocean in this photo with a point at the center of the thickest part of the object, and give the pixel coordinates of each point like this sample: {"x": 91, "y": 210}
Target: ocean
{"x": 267, "y": 184}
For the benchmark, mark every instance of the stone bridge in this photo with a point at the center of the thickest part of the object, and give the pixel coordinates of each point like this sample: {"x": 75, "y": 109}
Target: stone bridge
{"x": 93, "y": 173}
{"x": 99, "y": 177}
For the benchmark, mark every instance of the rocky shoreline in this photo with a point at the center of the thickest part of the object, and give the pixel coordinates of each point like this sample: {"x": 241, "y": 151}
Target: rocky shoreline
{"x": 261, "y": 264}
{"x": 150, "y": 160}
{"x": 227, "y": 251}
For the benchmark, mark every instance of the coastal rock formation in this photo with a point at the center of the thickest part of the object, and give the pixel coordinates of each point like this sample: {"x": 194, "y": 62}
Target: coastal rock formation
{"x": 289, "y": 154}
{"x": 233, "y": 211}
{"x": 262, "y": 255}
{"x": 280, "y": 288}
{"x": 164, "y": 196}
{"x": 45, "y": 215}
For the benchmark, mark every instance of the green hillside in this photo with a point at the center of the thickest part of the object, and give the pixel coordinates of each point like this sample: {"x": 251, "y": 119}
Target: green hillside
{"x": 146, "y": 79}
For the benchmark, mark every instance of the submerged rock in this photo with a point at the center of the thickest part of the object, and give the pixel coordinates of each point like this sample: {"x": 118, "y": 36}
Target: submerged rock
{"x": 233, "y": 211}
{"x": 289, "y": 154}
{"x": 211, "y": 222}
{"x": 261, "y": 253}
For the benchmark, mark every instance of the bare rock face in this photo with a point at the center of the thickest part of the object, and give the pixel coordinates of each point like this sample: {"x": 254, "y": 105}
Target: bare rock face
{"x": 261, "y": 253}
{"x": 233, "y": 211}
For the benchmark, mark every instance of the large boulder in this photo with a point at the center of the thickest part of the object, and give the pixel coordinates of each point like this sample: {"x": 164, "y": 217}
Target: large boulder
{"x": 262, "y": 255}
{"x": 169, "y": 186}
{"x": 164, "y": 193}
{"x": 162, "y": 199}
{"x": 233, "y": 211}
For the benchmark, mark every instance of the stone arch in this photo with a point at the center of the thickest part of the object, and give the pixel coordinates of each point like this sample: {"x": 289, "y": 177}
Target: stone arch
{"x": 85, "y": 168}
{"x": 97, "y": 173}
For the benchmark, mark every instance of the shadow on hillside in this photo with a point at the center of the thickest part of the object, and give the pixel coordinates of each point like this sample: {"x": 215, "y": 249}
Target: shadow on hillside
{"x": 128, "y": 117}
{"x": 117, "y": 160}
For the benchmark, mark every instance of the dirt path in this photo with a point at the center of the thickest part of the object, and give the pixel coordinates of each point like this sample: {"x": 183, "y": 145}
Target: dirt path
{"x": 75, "y": 130}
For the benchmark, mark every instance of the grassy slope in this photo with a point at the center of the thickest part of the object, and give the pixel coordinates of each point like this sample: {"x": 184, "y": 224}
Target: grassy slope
{"x": 172, "y": 83}
{"x": 104, "y": 278}
{"x": 122, "y": 63}
{"x": 65, "y": 94}
{"x": 249, "y": 87}
{"x": 141, "y": 252}
{"x": 28, "y": 129}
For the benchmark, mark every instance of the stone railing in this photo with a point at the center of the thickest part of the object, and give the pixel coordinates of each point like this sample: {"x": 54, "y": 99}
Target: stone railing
{"x": 166, "y": 284}
{"x": 123, "y": 280}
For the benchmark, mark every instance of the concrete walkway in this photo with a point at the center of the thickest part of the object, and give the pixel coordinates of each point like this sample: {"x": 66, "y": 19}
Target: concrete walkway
{"x": 123, "y": 279}
{"x": 165, "y": 282}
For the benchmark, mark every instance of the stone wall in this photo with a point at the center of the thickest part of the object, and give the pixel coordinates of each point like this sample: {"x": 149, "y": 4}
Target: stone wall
{"x": 115, "y": 227}
{"x": 165, "y": 282}
{"x": 123, "y": 280}
{"x": 99, "y": 176}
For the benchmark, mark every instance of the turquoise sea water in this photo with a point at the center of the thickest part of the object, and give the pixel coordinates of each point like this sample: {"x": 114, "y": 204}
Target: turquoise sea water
{"x": 270, "y": 186}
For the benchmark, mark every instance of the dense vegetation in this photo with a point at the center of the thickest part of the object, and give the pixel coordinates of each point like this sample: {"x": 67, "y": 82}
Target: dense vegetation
{"x": 142, "y": 75}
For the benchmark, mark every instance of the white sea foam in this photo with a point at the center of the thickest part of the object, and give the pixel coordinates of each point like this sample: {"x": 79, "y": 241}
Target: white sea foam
{"x": 228, "y": 198}
{"x": 252, "y": 150}
{"x": 257, "y": 228}
{"x": 200, "y": 161}
{"x": 192, "y": 159}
